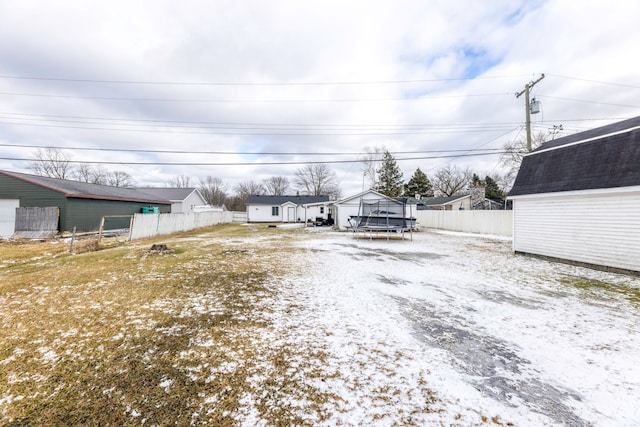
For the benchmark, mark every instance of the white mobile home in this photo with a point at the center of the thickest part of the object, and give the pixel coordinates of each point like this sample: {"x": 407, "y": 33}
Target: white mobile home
{"x": 577, "y": 198}
{"x": 262, "y": 208}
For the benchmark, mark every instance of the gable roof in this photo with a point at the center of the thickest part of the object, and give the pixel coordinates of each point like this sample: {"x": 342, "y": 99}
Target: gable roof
{"x": 173, "y": 194}
{"x": 256, "y": 199}
{"x": 441, "y": 201}
{"x": 605, "y": 157}
{"x": 77, "y": 189}
{"x": 360, "y": 195}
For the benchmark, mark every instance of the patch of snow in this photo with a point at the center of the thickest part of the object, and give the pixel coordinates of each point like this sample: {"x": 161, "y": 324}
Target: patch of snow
{"x": 453, "y": 329}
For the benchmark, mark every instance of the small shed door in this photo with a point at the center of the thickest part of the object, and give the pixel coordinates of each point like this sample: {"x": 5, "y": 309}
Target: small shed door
{"x": 291, "y": 214}
{"x": 8, "y": 216}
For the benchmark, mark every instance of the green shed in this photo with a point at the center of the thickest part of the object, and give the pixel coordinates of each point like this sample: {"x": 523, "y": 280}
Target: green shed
{"x": 80, "y": 204}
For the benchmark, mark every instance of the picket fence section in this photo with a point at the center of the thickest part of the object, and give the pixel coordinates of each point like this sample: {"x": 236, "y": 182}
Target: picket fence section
{"x": 497, "y": 222}
{"x": 145, "y": 226}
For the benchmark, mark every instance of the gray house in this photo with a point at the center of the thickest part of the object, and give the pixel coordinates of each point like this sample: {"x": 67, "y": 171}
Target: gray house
{"x": 183, "y": 200}
{"x": 577, "y": 198}
{"x": 80, "y": 205}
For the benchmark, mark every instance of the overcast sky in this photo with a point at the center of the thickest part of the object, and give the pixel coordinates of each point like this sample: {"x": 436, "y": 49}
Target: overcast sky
{"x": 242, "y": 87}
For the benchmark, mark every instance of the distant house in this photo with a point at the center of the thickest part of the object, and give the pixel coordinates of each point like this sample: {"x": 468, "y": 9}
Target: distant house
{"x": 183, "y": 200}
{"x": 453, "y": 203}
{"x": 262, "y": 208}
{"x": 80, "y": 205}
{"x": 577, "y": 198}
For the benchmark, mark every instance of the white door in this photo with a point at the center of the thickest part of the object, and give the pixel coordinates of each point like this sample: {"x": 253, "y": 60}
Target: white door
{"x": 8, "y": 216}
{"x": 291, "y": 214}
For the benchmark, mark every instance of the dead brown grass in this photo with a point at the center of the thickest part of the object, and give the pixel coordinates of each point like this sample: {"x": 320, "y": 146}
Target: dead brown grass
{"x": 121, "y": 337}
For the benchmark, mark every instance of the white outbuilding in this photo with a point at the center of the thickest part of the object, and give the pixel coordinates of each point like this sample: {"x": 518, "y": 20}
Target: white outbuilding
{"x": 577, "y": 199}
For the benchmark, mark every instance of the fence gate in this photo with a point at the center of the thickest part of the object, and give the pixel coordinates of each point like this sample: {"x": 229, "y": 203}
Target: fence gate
{"x": 37, "y": 223}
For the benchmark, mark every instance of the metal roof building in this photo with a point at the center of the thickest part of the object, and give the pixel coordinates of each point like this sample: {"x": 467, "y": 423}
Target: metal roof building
{"x": 80, "y": 204}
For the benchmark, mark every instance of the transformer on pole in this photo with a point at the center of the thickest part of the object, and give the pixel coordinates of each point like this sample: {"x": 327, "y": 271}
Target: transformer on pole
{"x": 530, "y": 107}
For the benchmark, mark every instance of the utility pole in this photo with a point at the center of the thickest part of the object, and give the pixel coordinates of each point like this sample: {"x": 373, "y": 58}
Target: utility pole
{"x": 527, "y": 105}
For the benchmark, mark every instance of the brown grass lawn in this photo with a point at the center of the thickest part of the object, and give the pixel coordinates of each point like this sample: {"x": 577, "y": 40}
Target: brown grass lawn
{"x": 119, "y": 336}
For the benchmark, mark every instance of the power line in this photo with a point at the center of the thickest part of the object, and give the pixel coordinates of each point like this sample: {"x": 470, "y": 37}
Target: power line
{"x": 254, "y": 133}
{"x": 248, "y": 153}
{"x": 588, "y": 101}
{"x": 242, "y": 125}
{"x": 176, "y": 83}
{"x": 239, "y": 125}
{"x": 105, "y": 162}
{"x": 594, "y": 81}
{"x": 246, "y": 101}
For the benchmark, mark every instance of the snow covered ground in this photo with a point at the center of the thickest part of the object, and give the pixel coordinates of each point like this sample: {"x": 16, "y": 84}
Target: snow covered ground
{"x": 453, "y": 329}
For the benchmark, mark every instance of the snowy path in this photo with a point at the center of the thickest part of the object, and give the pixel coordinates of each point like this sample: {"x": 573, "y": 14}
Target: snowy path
{"x": 455, "y": 330}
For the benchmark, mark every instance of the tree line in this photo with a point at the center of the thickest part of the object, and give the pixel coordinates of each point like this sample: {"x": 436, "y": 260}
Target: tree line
{"x": 379, "y": 167}
{"x": 449, "y": 180}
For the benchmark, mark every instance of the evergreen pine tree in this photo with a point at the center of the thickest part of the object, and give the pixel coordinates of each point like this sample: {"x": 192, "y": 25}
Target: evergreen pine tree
{"x": 419, "y": 184}
{"x": 492, "y": 190}
{"x": 390, "y": 177}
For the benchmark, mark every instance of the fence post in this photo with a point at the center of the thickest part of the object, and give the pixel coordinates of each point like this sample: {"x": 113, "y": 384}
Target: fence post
{"x": 73, "y": 237}
{"x": 131, "y": 226}
{"x": 100, "y": 230}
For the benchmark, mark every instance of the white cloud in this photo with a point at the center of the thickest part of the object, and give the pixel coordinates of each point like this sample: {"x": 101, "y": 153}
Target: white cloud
{"x": 260, "y": 43}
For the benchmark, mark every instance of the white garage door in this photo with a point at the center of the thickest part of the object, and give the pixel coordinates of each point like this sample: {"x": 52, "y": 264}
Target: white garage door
{"x": 8, "y": 216}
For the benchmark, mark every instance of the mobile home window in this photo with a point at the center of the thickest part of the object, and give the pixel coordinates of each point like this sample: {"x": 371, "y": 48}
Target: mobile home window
{"x": 321, "y": 209}
{"x": 275, "y": 210}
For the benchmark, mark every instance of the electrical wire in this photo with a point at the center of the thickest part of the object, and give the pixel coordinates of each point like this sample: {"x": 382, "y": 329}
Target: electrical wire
{"x": 175, "y": 83}
{"x": 150, "y": 163}
{"x": 587, "y": 101}
{"x": 248, "y": 153}
{"x": 248, "y": 101}
{"x": 592, "y": 81}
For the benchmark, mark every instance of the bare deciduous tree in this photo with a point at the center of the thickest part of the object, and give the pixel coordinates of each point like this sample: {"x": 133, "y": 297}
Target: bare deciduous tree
{"x": 214, "y": 190}
{"x": 248, "y": 188}
{"x": 276, "y": 185}
{"x": 180, "y": 181}
{"x": 316, "y": 180}
{"x": 370, "y": 165}
{"x": 242, "y": 192}
{"x": 513, "y": 151}
{"x": 449, "y": 180}
{"x": 120, "y": 179}
{"x": 51, "y": 162}
{"x": 93, "y": 175}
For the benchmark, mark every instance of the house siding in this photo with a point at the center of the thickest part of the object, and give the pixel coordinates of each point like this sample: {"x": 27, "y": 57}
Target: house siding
{"x": 600, "y": 228}
{"x": 188, "y": 204}
{"x": 85, "y": 214}
{"x": 262, "y": 213}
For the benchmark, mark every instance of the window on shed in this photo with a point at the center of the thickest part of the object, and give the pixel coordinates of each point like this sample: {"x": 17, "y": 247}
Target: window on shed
{"x": 321, "y": 209}
{"x": 275, "y": 210}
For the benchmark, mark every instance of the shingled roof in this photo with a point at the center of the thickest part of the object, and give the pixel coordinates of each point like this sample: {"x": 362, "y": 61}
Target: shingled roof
{"x": 605, "y": 157}
{"x": 85, "y": 190}
{"x": 169, "y": 193}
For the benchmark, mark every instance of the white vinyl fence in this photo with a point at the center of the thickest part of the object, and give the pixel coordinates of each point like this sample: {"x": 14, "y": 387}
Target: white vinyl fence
{"x": 145, "y": 226}
{"x": 499, "y": 222}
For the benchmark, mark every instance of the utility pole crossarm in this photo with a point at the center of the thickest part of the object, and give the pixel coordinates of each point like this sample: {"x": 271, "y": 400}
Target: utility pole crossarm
{"x": 529, "y": 86}
{"x": 527, "y": 106}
